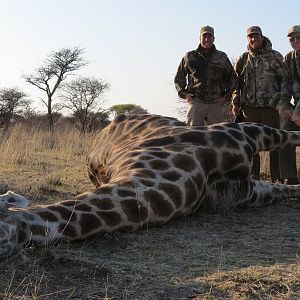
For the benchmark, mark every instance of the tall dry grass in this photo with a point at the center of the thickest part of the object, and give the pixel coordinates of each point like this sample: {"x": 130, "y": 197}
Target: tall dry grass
{"x": 51, "y": 165}
{"x": 33, "y": 160}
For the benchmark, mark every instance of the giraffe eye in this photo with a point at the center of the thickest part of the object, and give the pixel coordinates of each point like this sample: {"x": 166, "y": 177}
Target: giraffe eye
{"x": 11, "y": 200}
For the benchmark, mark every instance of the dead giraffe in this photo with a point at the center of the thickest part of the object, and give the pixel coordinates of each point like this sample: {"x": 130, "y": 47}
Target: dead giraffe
{"x": 149, "y": 169}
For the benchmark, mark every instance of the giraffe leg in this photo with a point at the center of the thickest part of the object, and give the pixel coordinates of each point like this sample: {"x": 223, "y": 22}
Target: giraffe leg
{"x": 259, "y": 193}
{"x": 248, "y": 193}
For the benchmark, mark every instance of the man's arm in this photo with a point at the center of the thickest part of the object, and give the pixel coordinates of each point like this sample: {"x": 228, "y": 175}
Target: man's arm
{"x": 284, "y": 105}
{"x": 238, "y": 67}
{"x": 181, "y": 80}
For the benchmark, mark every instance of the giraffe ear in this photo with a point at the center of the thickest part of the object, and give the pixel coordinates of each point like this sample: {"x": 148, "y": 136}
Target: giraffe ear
{"x": 11, "y": 199}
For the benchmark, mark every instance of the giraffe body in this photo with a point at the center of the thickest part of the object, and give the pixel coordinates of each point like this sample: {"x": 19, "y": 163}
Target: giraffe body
{"x": 149, "y": 169}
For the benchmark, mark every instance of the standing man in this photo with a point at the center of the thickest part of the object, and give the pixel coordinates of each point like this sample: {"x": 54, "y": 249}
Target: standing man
{"x": 290, "y": 112}
{"x": 205, "y": 79}
{"x": 259, "y": 72}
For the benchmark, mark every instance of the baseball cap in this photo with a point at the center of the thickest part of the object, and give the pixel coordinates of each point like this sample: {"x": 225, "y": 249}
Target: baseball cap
{"x": 254, "y": 29}
{"x": 207, "y": 29}
{"x": 293, "y": 29}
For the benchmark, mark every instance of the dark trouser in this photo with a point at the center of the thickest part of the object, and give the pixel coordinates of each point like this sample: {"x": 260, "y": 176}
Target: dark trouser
{"x": 287, "y": 156}
{"x": 270, "y": 117}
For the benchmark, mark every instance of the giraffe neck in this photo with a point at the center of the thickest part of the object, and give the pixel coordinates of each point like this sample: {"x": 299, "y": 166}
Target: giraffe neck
{"x": 32, "y": 228}
{"x": 106, "y": 209}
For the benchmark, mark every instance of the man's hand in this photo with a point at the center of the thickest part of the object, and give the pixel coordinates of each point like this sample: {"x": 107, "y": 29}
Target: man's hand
{"x": 296, "y": 119}
{"x": 188, "y": 98}
{"x": 287, "y": 113}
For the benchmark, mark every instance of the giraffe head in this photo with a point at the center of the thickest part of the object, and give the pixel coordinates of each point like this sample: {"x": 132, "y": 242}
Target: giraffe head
{"x": 8, "y": 222}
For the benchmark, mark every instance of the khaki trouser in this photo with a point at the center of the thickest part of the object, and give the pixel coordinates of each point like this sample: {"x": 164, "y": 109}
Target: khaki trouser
{"x": 270, "y": 117}
{"x": 200, "y": 113}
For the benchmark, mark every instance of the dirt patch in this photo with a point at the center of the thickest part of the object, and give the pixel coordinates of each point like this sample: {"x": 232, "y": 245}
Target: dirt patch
{"x": 244, "y": 255}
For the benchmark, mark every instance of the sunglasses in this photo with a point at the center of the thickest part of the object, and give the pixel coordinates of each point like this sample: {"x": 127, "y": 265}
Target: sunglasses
{"x": 294, "y": 39}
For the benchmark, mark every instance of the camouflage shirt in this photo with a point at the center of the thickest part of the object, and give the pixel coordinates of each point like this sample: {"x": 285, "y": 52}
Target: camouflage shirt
{"x": 259, "y": 77}
{"x": 205, "y": 77}
{"x": 291, "y": 82}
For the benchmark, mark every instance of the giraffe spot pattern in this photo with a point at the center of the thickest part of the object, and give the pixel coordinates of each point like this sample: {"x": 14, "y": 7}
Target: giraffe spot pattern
{"x": 159, "y": 154}
{"x": 173, "y": 192}
{"x": 135, "y": 211}
{"x": 38, "y": 230}
{"x": 65, "y": 213}
{"x": 83, "y": 207}
{"x": 276, "y": 138}
{"x": 236, "y": 135}
{"x": 222, "y": 139}
{"x": 103, "y": 190}
{"x": 147, "y": 183}
{"x": 158, "y": 204}
{"x": 88, "y": 223}
{"x": 146, "y": 173}
{"x": 102, "y": 204}
{"x": 191, "y": 193}
{"x": 125, "y": 193}
{"x": 231, "y": 160}
{"x": 68, "y": 230}
{"x": 194, "y": 137}
{"x": 207, "y": 159}
{"x": 159, "y": 164}
{"x": 111, "y": 218}
{"x": 198, "y": 181}
{"x": 48, "y": 215}
{"x": 171, "y": 175}
{"x": 248, "y": 150}
{"x": 184, "y": 162}
{"x": 158, "y": 142}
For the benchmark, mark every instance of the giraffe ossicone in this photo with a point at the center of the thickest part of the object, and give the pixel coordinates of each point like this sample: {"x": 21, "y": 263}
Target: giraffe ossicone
{"x": 147, "y": 170}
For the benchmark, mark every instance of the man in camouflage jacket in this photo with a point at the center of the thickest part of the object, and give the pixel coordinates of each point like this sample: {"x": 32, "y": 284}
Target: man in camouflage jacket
{"x": 205, "y": 79}
{"x": 259, "y": 72}
{"x": 290, "y": 112}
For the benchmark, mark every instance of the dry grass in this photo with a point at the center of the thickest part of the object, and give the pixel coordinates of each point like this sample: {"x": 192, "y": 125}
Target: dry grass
{"x": 243, "y": 255}
{"x": 34, "y": 161}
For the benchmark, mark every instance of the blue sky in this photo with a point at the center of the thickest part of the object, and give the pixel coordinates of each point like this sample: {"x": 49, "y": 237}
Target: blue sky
{"x": 135, "y": 45}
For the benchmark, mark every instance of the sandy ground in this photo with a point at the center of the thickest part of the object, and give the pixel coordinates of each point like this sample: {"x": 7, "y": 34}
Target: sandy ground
{"x": 238, "y": 255}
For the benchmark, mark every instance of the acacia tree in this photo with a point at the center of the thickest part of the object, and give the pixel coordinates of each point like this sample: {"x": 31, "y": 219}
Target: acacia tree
{"x": 56, "y": 68}
{"x": 83, "y": 97}
{"x": 13, "y": 103}
{"x": 127, "y": 109}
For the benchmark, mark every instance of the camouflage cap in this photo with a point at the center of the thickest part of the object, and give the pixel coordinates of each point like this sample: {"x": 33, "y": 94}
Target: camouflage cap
{"x": 207, "y": 29}
{"x": 254, "y": 29}
{"x": 294, "y": 29}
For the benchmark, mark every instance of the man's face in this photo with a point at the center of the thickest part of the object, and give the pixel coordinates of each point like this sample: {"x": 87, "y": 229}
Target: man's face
{"x": 207, "y": 40}
{"x": 255, "y": 40}
{"x": 295, "y": 42}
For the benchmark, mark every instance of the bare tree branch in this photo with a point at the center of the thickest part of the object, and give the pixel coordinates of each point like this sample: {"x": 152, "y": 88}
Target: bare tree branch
{"x": 83, "y": 96}
{"x": 56, "y": 68}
